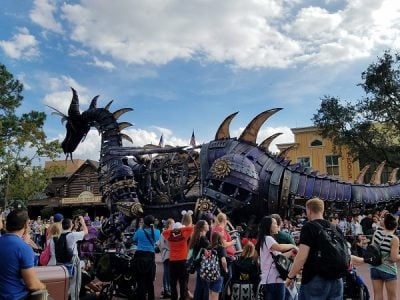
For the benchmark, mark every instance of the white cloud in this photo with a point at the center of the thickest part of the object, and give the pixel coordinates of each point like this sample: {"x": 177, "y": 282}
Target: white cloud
{"x": 59, "y": 96}
{"x": 245, "y": 34}
{"x": 102, "y": 64}
{"x": 43, "y": 15}
{"x": 22, "y": 45}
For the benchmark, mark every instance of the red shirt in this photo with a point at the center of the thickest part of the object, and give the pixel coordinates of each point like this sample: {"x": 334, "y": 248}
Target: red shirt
{"x": 178, "y": 242}
{"x": 230, "y": 250}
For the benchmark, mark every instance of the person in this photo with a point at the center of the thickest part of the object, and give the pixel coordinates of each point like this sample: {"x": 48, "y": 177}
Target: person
{"x": 178, "y": 244}
{"x": 199, "y": 241}
{"x": 245, "y": 269}
{"x": 17, "y": 276}
{"x": 366, "y": 224}
{"x": 386, "y": 273}
{"x": 359, "y": 245}
{"x": 163, "y": 245}
{"x": 282, "y": 237}
{"x": 144, "y": 265}
{"x": 274, "y": 287}
{"x": 215, "y": 287}
{"x": 313, "y": 285}
{"x": 54, "y": 231}
{"x": 72, "y": 237}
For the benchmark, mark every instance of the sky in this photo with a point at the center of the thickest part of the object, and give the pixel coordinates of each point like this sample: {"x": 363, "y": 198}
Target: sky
{"x": 185, "y": 65}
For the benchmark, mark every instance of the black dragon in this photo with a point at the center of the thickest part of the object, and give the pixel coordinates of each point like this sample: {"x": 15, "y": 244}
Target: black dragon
{"x": 237, "y": 175}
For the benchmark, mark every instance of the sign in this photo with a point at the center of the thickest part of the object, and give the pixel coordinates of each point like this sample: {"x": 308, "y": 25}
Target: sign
{"x": 84, "y": 197}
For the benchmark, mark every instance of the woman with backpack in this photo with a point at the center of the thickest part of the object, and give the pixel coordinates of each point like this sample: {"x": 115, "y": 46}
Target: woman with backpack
{"x": 199, "y": 241}
{"x": 245, "y": 273}
{"x": 216, "y": 287}
{"x": 386, "y": 273}
{"x": 266, "y": 246}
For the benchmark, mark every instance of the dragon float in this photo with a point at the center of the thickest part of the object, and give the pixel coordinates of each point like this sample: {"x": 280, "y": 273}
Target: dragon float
{"x": 235, "y": 175}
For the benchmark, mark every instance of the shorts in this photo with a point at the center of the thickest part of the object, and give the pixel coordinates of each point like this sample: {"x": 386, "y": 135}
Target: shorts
{"x": 216, "y": 286}
{"x": 377, "y": 274}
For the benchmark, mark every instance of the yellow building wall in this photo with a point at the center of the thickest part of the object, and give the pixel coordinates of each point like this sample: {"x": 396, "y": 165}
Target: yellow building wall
{"x": 348, "y": 170}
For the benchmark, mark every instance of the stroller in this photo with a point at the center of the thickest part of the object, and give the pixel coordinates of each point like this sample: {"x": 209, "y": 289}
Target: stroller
{"x": 354, "y": 287}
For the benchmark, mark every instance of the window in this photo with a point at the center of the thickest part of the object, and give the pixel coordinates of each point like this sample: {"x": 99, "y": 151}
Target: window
{"x": 316, "y": 143}
{"x": 304, "y": 161}
{"x": 332, "y": 165}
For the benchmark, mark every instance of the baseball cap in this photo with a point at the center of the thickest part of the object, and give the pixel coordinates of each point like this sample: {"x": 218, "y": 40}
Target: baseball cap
{"x": 58, "y": 217}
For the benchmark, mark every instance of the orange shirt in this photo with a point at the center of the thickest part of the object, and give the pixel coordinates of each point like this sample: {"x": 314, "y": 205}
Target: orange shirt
{"x": 178, "y": 242}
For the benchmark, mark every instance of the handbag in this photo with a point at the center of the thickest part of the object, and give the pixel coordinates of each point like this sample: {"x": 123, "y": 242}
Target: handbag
{"x": 372, "y": 255}
{"x": 192, "y": 262}
{"x": 45, "y": 255}
{"x": 283, "y": 265}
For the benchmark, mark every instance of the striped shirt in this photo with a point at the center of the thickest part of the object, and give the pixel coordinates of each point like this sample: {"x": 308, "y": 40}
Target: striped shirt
{"x": 384, "y": 241}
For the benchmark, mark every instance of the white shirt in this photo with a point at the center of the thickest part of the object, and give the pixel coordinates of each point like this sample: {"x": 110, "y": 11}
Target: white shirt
{"x": 72, "y": 238}
{"x": 269, "y": 273}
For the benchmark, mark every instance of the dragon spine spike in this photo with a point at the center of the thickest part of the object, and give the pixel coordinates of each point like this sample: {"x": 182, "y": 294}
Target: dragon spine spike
{"x": 393, "y": 176}
{"x": 107, "y": 107}
{"x": 285, "y": 151}
{"x": 73, "y": 110}
{"x": 93, "y": 103}
{"x": 376, "y": 176}
{"x": 126, "y": 137}
{"x": 250, "y": 133}
{"x": 360, "y": 177}
{"x": 120, "y": 112}
{"x": 124, "y": 125}
{"x": 223, "y": 130}
{"x": 265, "y": 144}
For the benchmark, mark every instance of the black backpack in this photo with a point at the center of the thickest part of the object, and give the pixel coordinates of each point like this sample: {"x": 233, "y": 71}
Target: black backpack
{"x": 332, "y": 255}
{"x": 63, "y": 253}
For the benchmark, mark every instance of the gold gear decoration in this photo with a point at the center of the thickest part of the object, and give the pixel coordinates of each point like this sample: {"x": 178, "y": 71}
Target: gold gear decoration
{"x": 204, "y": 205}
{"x": 220, "y": 168}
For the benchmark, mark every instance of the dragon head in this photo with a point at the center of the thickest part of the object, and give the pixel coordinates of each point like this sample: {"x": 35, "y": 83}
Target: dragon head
{"x": 76, "y": 125}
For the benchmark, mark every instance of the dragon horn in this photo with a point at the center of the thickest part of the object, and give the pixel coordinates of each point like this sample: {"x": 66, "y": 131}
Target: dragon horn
{"x": 108, "y": 105}
{"x": 93, "y": 104}
{"x": 285, "y": 151}
{"x": 360, "y": 177}
{"x": 265, "y": 144}
{"x": 126, "y": 137}
{"x": 73, "y": 110}
{"x": 120, "y": 112}
{"x": 393, "y": 176}
{"x": 223, "y": 130}
{"x": 123, "y": 125}
{"x": 249, "y": 135}
{"x": 376, "y": 177}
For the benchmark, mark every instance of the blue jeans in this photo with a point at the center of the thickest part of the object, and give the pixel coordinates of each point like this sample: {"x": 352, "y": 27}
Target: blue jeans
{"x": 275, "y": 291}
{"x": 322, "y": 289}
{"x": 166, "y": 280}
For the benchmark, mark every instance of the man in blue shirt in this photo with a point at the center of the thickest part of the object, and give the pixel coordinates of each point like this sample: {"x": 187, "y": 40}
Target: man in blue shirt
{"x": 17, "y": 276}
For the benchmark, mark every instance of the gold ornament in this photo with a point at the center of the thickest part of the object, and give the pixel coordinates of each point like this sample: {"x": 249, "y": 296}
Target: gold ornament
{"x": 220, "y": 168}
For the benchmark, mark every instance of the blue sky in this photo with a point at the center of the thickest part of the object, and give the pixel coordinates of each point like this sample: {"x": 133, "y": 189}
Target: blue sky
{"x": 186, "y": 65}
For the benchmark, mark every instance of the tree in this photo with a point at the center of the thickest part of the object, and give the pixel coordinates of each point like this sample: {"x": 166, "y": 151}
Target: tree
{"x": 371, "y": 126}
{"x": 22, "y": 139}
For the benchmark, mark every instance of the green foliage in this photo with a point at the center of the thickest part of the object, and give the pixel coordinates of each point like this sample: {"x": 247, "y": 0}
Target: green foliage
{"x": 22, "y": 140}
{"x": 78, "y": 212}
{"x": 371, "y": 126}
{"x": 46, "y": 212}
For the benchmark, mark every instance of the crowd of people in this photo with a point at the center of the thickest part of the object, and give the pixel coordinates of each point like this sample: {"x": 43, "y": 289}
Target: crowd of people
{"x": 245, "y": 263}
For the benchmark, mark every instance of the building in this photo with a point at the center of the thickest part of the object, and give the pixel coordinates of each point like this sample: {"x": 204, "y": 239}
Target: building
{"x": 76, "y": 188}
{"x": 311, "y": 150}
